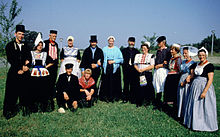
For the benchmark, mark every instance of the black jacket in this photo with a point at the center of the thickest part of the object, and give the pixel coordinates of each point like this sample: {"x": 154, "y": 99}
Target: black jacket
{"x": 71, "y": 88}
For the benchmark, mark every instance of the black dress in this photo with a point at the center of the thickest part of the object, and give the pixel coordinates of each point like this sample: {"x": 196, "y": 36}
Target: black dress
{"x": 16, "y": 84}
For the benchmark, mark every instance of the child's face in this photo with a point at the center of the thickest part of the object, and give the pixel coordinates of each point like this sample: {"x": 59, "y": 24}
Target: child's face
{"x": 69, "y": 71}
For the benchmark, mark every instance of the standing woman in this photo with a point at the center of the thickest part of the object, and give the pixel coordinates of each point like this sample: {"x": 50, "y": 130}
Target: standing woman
{"x": 144, "y": 63}
{"x": 173, "y": 77}
{"x": 111, "y": 80}
{"x": 201, "y": 112}
{"x": 70, "y": 54}
{"x": 183, "y": 87}
{"x": 39, "y": 63}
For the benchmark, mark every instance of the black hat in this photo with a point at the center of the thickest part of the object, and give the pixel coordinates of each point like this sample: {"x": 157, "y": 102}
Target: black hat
{"x": 20, "y": 28}
{"x": 161, "y": 38}
{"x": 53, "y": 31}
{"x": 68, "y": 66}
{"x": 131, "y": 39}
{"x": 93, "y": 38}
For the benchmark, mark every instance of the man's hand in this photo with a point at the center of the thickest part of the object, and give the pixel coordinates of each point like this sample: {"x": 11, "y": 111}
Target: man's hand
{"x": 25, "y": 68}
{"x": 20, "y": 72}
{"x": 66, "y": 97}
{"x": 93, "y": 65}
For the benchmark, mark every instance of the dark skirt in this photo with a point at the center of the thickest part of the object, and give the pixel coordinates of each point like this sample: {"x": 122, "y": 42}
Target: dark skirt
{"x": 145, "y": 93}
{"x": 170, "y": 88}
{"x": 111, "y": 85}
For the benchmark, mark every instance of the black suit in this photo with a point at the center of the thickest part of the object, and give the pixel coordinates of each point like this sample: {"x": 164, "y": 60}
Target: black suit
{"x": 87, "y": 60}
{"x": 71, "y": 87}
{"x": 53, "y": 72}
{"x": 130, "y": 74}
{"x": 16, "y": 84}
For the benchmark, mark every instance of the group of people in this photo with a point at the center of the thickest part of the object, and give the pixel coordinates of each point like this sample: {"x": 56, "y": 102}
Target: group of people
{"x": 185, "y": 84}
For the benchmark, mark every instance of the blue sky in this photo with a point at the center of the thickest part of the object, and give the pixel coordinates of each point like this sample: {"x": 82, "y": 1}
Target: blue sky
{"x": 181, "y": 21}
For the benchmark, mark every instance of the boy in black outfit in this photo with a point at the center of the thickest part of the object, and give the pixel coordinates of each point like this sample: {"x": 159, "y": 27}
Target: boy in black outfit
{"x": 68, "y": 90}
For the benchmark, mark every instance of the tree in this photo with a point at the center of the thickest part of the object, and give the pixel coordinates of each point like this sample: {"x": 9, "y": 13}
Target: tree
{"x": 30, "y": 37}
{"x": 8, "y": 25}
{"x": 152, "y": 41}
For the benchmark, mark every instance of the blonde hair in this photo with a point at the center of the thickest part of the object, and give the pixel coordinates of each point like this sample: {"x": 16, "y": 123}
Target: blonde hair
{"x": 88, "y": 71}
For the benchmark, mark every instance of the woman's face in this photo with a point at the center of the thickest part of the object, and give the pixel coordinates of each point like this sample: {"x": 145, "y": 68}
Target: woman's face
{"x": 40, "y": 46}
{"x": 202, "y": 56}
{"x": 87, "y": 75}
{"x": 70, "y": 43}
{"x": 111, "y": 42}
{"x": 185, "y": 54}
{"x": 173, "y": 51}
{"x": 144, "y": 49}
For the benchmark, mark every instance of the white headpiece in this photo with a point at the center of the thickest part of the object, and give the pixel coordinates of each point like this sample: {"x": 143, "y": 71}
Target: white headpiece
{"x": 111, "y": 37}
{"x": 193, "y": 51}
{"x": 147, "y": 43}
{"x": 176, "y": 45}
{"x": 38, "y": 40}
{"x": 70, "y": 37}
{"x": 207, "y": 53}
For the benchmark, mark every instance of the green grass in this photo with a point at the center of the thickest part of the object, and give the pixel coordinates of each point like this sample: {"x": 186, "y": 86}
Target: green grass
{"x": 104, "y": 119}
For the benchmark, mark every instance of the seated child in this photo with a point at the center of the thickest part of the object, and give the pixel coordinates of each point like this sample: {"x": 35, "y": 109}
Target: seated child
{"x": 67, "y": 90}
{"x": 87, "y": 88}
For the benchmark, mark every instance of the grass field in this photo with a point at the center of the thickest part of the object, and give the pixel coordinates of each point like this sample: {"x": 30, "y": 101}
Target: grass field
{"x": 104, "y": 119}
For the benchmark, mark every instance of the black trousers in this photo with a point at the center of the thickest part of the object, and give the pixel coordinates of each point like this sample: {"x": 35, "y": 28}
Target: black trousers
{"x": 61, "y": 101}
{"x": 131, "y": 82}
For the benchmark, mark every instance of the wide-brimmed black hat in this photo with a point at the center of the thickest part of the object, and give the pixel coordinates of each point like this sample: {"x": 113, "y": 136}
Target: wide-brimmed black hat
{"x": 53, "y": 31}
{"x": 161, "y": 38}
{"x": 20, "y": 28}
{"x": 93, "y": 38}
{"x": 68, "y": 66}
{"x": 131, "y": 39}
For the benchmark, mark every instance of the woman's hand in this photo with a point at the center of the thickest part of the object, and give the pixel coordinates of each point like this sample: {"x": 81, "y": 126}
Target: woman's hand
{"x": 188, "y": 79}
{"x": 203, "y": 95}
{"x": 111, "y": 62}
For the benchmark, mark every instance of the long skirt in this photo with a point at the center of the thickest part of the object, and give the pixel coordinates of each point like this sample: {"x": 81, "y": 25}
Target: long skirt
{"x": 40, "y": 93}
{"x": 111, "y": 85}
{"x": 159, "y": 79}
{"x": 145, "y": 92}
{"x": 76, "y": 70}
{"x": 170, "y": 88}
{"x": 182, "y": 95}
{"x": 201, "y": 114}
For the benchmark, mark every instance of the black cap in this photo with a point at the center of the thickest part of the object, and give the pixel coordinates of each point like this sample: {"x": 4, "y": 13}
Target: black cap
{"x": 93, "y": 38}
{"x": 131, "y": 39}
{"x": 68, "y": 66}
{"x": 20, "y": 28}
{"x": 53, "y": 31}
{"x": 161, "y": 38}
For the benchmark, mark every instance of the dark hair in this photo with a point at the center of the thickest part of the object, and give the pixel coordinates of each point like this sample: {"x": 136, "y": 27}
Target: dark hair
{"x": 35, "y": 47}
{"x": 202, "y": 50}
{"x": 146, "y": 46}
{"x": 185, "y": 48}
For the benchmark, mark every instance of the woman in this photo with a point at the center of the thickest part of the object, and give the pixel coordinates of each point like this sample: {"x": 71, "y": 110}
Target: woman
{"x": 144, "y": 63}
{"x": 183, "y": 87}
{"x": 70, "y": 54}
{"x": 87, "y": 88}
{"x": 173, "y": 77}
{"x": 39, "y": 76}
{"x": 111, "y": 78}
{"x": 201, "y": 113}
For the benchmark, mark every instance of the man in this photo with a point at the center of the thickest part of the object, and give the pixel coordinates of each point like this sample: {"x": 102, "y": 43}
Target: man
{"x": 51, "y": 47}
{"x": 16, "y": 84}
{"x": 163, "y": 56}
{"x": 93, "y": 59}
{"x": 68, "y": 90}
{"x": 130, "y": 74}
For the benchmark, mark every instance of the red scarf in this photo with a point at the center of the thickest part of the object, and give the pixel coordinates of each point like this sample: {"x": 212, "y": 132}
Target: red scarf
{"x": 86, "y": 84}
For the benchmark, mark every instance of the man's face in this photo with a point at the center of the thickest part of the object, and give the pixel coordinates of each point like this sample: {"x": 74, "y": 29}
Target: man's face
{"x": 69, "y": 71}
{"x": 19, "y": 35}
{"x": 93, "y": 44}
{"x": 131, "y": 43}
{"x": 53, "y": 36}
